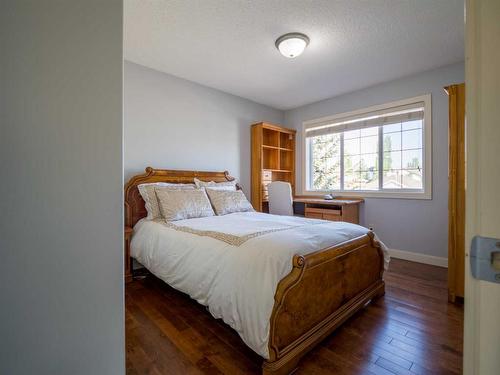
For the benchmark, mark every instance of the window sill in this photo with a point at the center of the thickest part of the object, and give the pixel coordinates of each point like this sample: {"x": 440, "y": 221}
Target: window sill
{"x": 372, "y": 194}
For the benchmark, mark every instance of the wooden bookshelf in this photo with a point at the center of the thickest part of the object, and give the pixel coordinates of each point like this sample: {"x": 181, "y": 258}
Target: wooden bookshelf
{"x": 273, "y": 159}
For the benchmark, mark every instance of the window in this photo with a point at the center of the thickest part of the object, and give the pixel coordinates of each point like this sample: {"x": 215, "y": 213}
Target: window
{"x": 379, "y": 151}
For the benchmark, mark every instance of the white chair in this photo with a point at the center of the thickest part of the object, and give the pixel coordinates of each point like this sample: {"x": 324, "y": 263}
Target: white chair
{"x": 280, "y": 198}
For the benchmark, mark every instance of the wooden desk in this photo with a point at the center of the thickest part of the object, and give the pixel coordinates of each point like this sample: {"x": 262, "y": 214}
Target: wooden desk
{"x": 334, "y": 210}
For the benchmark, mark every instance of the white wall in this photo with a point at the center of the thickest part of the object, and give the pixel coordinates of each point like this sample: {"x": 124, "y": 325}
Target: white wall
{"x": 61, "y": 227}
{"x": 177, "y": 124}
{"x": 419, "y": 226}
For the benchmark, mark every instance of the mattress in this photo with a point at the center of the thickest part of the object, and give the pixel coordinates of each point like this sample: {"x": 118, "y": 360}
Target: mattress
{"x": 233, "y": 263}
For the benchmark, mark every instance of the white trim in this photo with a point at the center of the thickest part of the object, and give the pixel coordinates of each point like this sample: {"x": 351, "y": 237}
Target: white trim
{"x": 371, "y": 194}
{"x": 426, "y": 193}
{"x": 419, "y": 258}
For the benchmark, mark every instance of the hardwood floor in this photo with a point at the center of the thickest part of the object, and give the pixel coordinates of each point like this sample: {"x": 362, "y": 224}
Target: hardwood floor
{"x": 411, "y": 330}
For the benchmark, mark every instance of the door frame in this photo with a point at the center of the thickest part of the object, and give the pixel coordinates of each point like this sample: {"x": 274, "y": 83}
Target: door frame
{"x": 482, "y": 77}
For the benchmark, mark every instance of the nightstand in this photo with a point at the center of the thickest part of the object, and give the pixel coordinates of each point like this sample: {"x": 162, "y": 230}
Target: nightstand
{"x": 128, "y": 261}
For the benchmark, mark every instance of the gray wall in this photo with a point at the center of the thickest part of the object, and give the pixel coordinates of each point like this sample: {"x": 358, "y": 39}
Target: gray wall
{"x": 412, "y": 225}
{"x": 61, "y": 228}
{"x": 177, "y": 124}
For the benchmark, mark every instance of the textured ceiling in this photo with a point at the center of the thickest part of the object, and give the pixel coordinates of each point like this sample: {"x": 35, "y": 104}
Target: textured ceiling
{"x": 229, "y": 44}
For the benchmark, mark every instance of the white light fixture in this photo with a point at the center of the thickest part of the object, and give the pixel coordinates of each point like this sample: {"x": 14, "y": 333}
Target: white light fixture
{"x": 292, "y": 44}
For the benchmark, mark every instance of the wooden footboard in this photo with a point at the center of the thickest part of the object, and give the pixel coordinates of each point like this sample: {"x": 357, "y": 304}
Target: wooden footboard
{"x": 323, "y": 289}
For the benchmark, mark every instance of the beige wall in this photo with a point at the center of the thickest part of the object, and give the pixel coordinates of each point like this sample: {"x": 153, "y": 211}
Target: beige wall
{"x": 61, "y": 228}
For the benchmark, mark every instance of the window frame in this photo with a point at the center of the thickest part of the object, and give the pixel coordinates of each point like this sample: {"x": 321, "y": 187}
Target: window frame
{"x": 424, "y": 193}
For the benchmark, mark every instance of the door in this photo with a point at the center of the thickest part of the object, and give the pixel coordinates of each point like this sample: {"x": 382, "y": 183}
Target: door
{"x": 482, "y": 298}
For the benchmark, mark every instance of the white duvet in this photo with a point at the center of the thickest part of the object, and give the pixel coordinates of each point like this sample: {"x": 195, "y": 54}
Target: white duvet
{"x": 236, "y": 282}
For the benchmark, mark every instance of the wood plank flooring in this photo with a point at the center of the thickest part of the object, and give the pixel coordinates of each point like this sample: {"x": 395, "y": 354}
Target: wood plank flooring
{"x": 412, "y": 330}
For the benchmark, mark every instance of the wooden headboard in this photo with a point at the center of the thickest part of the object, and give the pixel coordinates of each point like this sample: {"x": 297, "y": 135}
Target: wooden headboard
{"x": 134, "y": 204}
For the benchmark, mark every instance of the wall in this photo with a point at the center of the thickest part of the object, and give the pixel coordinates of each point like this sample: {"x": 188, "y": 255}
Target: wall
{"x": 418, "y": 226}
{"x": 177, "y": 124}
{"x": 61, "y": 228}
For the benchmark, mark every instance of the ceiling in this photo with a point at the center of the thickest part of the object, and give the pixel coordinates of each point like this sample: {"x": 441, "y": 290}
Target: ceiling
{"x": 229, "y": 44}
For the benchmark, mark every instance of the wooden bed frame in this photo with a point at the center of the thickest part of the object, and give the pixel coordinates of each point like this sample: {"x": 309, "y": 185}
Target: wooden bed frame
{"x": 323, "y": 289}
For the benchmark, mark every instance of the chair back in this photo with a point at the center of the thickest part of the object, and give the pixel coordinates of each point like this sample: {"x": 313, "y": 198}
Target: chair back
{"x": 280, "y": 198}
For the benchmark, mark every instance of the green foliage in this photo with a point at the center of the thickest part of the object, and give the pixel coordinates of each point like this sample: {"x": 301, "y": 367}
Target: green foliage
{"x": 326, "y": 162}
{"x": 387, "y": 155}
{"x": 414, "y": 164}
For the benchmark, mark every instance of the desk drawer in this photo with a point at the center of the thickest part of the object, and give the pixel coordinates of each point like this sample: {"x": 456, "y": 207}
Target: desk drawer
{"x": 332, "y": 217}
{"x": 265, "y": 191}
{"x": 267, "y": 176}
{"x": 313, "y": 215}
{"x": 324, "y": 213}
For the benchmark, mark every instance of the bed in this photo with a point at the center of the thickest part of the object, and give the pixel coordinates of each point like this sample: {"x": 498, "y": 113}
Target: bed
{"x": 283, "y": 283}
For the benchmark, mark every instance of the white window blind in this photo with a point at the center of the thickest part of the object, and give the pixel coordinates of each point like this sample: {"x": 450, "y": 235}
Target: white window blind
{"x": 400, "y": 114}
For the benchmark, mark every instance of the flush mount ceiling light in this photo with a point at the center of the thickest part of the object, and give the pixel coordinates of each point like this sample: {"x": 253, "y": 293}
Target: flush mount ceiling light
{"x": 292, "y": 44}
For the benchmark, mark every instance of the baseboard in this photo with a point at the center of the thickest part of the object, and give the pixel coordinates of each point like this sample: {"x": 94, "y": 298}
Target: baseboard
{"x": 419, "y": 258}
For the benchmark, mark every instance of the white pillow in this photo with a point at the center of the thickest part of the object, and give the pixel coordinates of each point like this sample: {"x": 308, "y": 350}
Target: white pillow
{"x": 183, "y": 204}
{"x": 225, "y": 201}
{"x": 147, "y": 192}
{"x": 226, "y": 185}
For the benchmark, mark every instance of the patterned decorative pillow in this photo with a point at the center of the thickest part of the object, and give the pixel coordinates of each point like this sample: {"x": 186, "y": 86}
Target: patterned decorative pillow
{"x": 183, "y": 204}
{"x": 226, "y": 185}
{"x": 226, "y": 201}
{"x": 147, "y": 192}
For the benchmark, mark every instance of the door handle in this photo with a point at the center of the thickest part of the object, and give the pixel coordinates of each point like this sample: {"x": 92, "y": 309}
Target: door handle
{"x": 485, "y": 259}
